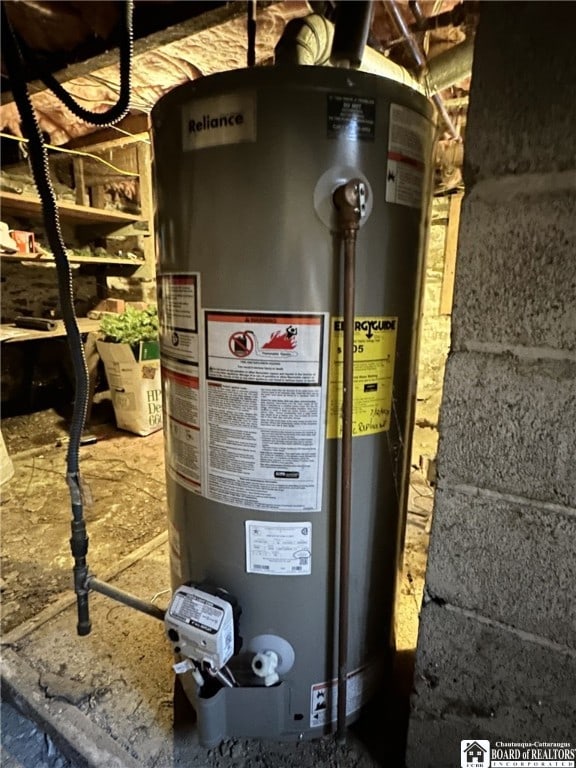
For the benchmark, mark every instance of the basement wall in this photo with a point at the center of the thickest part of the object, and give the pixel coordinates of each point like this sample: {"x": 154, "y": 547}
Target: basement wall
{"x": 496, "y": 655}
{"x": 32, "y": 290}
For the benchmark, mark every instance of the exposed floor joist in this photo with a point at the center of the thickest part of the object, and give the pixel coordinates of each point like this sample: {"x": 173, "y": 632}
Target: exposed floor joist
{"x": 156, "y": 40}
{"x": 207, "y": 44}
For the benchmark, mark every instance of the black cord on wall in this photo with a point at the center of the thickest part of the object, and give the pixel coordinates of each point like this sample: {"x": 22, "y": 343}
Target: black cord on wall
{"x": 14, "y": 58}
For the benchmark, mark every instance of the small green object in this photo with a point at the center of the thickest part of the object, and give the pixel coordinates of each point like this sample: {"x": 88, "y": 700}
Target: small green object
{"x": 131, "y": 327}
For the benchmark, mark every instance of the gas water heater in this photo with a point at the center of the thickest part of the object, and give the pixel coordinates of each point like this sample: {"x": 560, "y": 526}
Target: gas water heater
{"x": 251, "y": 302}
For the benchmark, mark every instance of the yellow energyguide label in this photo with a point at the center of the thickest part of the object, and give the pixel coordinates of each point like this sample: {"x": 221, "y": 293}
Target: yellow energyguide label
{"x": 374, "y": 353}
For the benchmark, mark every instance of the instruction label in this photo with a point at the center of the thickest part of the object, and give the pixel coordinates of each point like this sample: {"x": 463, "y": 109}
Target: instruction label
{"x": 265, "y": 409}
{"x": 361, "y": 683}
{"x": 278, "y": 549}
{"x": 407, "y": 141}
{"x": 197, "y": 612}
{"x": 229, "y": 119}
{"x": 374, "y": 353}
{"x": 179, "y": 305}
{"x": 351, "y": 117}
{"x": 182, "y": 425}
{"x": 179, "y": 316}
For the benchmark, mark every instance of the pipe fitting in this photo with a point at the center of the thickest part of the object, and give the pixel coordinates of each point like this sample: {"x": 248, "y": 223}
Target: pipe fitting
{"x": 350, "y": 203}
{"x": 264, "y": 665}
{"x": 308, "y": 41}
{"x": 305, "y": 41}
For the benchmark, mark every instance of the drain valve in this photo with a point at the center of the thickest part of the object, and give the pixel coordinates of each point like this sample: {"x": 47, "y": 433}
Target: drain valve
{"x": 265, "y": 664}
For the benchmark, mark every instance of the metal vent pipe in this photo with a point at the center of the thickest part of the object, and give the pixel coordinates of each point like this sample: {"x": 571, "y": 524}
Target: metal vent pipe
{"x": 308, "y": 41}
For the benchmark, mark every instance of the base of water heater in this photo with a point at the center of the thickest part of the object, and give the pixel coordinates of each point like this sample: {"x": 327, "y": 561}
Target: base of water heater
{"x": 252, "y": 712}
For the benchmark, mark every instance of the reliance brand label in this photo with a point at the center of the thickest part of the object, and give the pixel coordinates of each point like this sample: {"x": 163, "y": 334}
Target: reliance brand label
{"x": 229, "y": 119}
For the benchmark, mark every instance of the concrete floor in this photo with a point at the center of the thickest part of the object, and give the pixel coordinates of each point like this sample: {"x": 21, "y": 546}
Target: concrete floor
{"x": 107, "y": 699}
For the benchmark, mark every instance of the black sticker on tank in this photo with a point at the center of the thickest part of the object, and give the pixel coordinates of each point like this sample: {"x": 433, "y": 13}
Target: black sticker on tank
{"x": 351, "y": 117}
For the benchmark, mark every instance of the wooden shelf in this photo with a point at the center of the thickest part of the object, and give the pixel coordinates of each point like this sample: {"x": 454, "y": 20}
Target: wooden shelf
{"x": 20, "y": 204}
{"x": 10, "y": 333}
{"x": 34, "y": 258}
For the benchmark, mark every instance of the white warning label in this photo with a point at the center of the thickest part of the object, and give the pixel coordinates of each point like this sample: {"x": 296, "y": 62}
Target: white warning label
{"x": 407, "y": 142}
{"x": 278, "y": 549}
{"x": 324, "y": 696}
{"x": 182, "y": 423}
{"x": 265, "y": 409}
{"x": 265, "y": 348}
{"x": 197, "y": 611}
{"x": 179, "y": 295}
{"x": 179, "y": 316}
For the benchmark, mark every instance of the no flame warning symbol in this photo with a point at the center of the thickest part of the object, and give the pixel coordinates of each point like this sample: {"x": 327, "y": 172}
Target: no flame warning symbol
{"x": 321, "y": 701}
{"x": 241, "y": 343}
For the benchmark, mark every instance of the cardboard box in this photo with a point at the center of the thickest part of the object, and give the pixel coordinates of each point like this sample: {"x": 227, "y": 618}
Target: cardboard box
{"x": 24, "y": 240}
{"x": 115, "y": 306}
{"x": 133, "y": 373}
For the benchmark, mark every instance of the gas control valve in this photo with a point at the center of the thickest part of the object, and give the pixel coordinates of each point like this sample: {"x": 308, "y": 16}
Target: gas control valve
{"x": 202, "y": 625}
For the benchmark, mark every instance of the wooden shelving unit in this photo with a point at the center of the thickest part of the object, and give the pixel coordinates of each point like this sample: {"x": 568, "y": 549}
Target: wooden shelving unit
{"x": 10, "y": 333}
{"x": 34, "y": 258}
{"x": 21, "y": 205}
{"x": 93, "y": 221}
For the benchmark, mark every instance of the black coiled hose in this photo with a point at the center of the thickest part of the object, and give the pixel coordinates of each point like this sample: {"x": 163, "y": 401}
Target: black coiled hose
{"x": 118, "y": 110}
{"x": 40, "y": 170}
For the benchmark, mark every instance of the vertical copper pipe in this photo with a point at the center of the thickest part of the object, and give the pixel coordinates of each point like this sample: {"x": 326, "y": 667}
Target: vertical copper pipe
{"x": 346, "y": 476}
{"x": 350, "y": 203}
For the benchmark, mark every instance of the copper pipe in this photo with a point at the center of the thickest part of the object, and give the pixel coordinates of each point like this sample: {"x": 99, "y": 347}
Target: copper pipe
{"x": 346, "y": 476}
{"x": 350, "y": 203}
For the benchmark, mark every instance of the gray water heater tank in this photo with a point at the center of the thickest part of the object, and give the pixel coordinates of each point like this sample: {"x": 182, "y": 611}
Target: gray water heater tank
{"x": 250, "y": 291}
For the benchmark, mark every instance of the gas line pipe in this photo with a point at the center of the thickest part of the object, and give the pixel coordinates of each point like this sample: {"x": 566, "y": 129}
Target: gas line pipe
{"x": 350, "y": 203}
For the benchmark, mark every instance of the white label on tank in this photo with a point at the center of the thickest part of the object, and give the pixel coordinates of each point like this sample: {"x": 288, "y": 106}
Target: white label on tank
{"x": 278, "y": 549}
{"x": 265, "y": 409}
{"x": 180, "y": 326}
{"x": 181, "y": 427}
{"x": 324, "y": 696}
{"x": 197, "y": 611}
{"x": 227, "y": 119}
{"x": 179, "y": 316}
{"x": 407, "y": 142}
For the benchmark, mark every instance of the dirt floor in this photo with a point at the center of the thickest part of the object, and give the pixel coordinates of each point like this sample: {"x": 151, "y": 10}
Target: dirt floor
{"x": 113, "y": 679}
{"x": 124, "y": 476}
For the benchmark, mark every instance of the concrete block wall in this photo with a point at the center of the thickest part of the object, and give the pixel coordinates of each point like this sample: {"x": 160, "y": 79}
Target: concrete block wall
{"x": 496, "y": 656}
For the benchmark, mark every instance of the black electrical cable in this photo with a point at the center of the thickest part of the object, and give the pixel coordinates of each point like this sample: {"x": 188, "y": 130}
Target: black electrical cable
{"x": 251, "y": 30}
{"x": 118, "y": 110}
{"x": 41, "y": 172}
